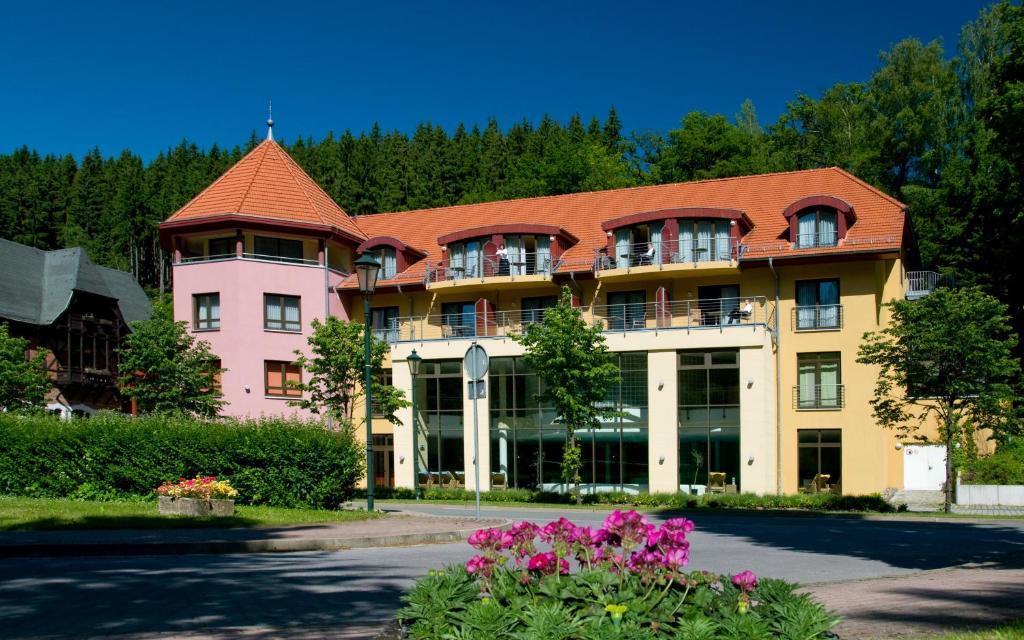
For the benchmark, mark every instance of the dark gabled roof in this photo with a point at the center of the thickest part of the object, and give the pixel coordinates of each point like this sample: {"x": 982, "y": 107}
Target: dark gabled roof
{"x": 36, "y": 286}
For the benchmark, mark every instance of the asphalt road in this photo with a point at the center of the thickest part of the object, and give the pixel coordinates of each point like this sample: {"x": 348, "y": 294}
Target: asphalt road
{"x": 314, "y": 594}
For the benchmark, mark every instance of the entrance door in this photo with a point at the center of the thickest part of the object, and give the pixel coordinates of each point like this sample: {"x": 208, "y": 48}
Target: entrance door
{"x": 383, "y": 467}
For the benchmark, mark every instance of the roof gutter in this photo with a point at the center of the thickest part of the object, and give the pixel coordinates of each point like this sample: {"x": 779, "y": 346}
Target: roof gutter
{"x": 778, "y": 386}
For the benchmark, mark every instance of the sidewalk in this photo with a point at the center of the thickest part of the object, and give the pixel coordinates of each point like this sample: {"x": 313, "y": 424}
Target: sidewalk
{"x": 396, "y": 529}
{"x": 925, "y": 603}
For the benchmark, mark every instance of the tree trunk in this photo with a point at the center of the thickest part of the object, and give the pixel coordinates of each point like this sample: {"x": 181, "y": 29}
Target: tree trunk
{"x": 948, "y": 498}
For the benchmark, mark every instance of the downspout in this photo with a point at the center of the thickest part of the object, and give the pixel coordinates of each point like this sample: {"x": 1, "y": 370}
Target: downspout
{"x": 778, "y": 387}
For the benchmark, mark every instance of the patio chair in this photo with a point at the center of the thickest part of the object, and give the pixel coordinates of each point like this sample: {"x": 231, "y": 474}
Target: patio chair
{"x": 446, "y": 330}
{"x": 716, "y": 482}
{"x": 459, "y": 479}
{"x": 498, "y": 481}
{"x": 820, "y": 482}
{"x": 424, "y": 480}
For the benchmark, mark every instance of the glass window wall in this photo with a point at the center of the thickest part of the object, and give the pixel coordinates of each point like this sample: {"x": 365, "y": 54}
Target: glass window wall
{"x": 709, "y": 421}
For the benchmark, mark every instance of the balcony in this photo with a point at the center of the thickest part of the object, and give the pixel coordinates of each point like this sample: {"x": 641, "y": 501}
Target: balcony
{"x": 817, "y": 239}
{"x": 688, "y": 315}
{"x": 675, "y": 254}
{"x": 822, "y": 317}
{"x": 819, "y": 397}
{"x": 465, "y": 269}
{"x": 921, "y": 283}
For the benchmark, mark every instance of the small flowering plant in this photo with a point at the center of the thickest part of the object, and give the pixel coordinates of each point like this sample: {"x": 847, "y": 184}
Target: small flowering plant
{"x": 200, "y": 488}
{"x": 627, "y": 578}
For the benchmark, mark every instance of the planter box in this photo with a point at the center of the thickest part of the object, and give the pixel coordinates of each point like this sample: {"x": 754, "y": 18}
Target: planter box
{"x": 194, "y": 507}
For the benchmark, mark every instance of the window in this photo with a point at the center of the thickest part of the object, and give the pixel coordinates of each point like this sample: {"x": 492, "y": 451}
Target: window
{"x": 534, "y": 308}
{"x": 206, "y": 311}
{"x": 627, "y": 310}
{"x": 222, "y": 247}
{"x": 819, "y": 385}
{"x": 704, "y": 241}
{"x": 386, "y": 380}
{"x": 281, "y": 313}
{"x": 217, "y": 372}
{"x": 458, "y": 319}
{"x": 820, "y": 456}
{"x": 278, "y": 378}
{"x": 439, "y": 394}
{"x": 528, "y": 442}
{"x": 388, "y": 262}
{"x": 816, "y": 228}
{"x": 817, "y": 305}
{"x": 384, "y": 321}
{"x": 709, "y": 419}
{"x": 280, "y": 249}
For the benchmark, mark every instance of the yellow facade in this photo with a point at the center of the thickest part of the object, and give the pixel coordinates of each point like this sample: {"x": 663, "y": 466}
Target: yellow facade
{"x": 769, "y": 418}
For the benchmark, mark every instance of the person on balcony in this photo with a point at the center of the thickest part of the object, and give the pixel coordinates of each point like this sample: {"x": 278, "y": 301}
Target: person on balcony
{"x": 502, "y": 254}
{"x": 648, "y": 256}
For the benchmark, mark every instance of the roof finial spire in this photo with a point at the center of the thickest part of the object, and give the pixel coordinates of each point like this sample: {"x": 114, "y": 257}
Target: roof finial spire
{"x": 270, "y": 120}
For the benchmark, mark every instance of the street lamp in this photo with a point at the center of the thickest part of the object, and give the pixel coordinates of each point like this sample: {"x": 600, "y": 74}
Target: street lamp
{"x": 367, "y": 270}
{"x": 414, "y": 361}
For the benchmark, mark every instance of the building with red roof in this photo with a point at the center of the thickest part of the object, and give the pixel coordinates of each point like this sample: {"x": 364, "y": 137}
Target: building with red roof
{"x": 734, "y": 307}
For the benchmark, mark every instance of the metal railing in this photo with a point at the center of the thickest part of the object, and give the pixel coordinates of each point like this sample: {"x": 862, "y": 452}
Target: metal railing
{"x": 719, "y": 313}
{"x": 819, "y": 397}
{"x": 921, "y": 283}
{"x": 818, "y": 317}
{"x": 668, "y": 252}
{"x": 480, "y": 267}
{"x": 249, "y": 256}
{"x": 817, "y": 239}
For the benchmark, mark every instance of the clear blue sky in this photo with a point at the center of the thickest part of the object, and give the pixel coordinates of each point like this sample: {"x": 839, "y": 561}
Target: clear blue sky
{"x": 145, "y": 74}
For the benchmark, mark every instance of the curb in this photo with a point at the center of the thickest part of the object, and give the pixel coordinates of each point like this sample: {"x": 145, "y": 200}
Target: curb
{"x": 30, "y": 550}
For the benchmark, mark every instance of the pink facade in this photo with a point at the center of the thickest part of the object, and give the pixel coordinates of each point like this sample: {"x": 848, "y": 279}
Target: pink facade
{"x": 242, "y": 343}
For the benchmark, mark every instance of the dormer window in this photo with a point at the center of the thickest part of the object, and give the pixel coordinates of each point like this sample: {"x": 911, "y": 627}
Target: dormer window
{"x": 502, "y": 250}
{"x": 817, "y": 228}
{"x": 388, "y": 258}
{"x": 819, "y": 221}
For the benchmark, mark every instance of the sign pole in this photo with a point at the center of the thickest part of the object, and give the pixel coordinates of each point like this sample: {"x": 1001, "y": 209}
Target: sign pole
{"x": 476, "y": 364}
{"x": 476, "y": 445}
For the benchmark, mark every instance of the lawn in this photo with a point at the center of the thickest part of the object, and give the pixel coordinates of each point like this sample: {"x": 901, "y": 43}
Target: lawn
{"x": 33, "y": 514}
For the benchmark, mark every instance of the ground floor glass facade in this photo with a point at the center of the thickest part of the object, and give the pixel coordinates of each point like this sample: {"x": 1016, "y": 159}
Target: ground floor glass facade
{"x": 709, "y": 420}
{"x": 527, "y": 443}
{"x": 439, "y": 403}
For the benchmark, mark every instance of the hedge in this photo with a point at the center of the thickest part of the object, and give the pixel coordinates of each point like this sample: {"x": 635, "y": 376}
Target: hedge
{"x": 1005, "y": 466}
{"x": 816, "y": 502}
{"x": 277, "y": 462}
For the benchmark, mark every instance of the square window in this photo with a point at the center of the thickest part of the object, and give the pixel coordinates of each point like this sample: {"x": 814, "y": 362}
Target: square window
{"x": 206, "y": 311}
{"x": 279, "y": 378}
{"x": 281, "y": 313}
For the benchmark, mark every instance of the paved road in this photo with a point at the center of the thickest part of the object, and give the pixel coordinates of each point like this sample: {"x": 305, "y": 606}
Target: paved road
{"x": 311, "y": 594}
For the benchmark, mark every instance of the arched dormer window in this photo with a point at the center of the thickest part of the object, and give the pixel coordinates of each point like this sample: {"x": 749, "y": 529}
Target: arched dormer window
{"x": 393, "y": 255}
{"x": 817, "y": 228}
{"x": 388, "y": 258}
{"x": 818, "y": 221}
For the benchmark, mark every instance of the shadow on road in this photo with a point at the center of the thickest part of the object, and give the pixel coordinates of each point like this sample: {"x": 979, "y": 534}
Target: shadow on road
{"x": 281, "y": 592}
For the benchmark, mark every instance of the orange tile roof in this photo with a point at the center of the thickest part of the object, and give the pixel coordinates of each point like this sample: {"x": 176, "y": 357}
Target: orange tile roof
{"x": 268, "y": 184}
{"x": 764, "y": 198}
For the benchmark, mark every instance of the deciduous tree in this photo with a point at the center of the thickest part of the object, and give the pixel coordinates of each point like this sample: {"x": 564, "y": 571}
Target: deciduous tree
{"x": 24, "y": 381}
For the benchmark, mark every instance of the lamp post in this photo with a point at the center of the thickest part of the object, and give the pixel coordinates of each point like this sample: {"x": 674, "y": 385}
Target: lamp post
{"x": 414, "y": 361}
{"x": 367, "y": 270}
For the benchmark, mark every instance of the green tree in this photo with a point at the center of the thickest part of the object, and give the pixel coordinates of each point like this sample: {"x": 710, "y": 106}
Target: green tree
{"x": 947, "y": 358}
{"x": 336, "y": 371}
{"x": 576, "y": 370}
{"x": 707, "y": 146}
{"x": 24, "y": 381}
{"x": 166, "y": 370}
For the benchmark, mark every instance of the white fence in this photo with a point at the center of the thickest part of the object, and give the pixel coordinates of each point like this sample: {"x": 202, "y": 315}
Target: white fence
{"x": 990, "y": 495}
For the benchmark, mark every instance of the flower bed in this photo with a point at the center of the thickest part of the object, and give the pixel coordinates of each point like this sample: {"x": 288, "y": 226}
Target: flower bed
{"x": 629, "y": 582}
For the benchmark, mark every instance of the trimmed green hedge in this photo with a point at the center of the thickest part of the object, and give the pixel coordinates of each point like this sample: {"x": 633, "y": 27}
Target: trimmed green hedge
{"x": 817, "y": 502}
{"x": 277, "y": 462}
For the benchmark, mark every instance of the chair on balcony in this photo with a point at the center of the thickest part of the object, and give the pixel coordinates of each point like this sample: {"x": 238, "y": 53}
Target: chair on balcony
{"x": 638, "y": 323}
{"x": 716, "y": 482}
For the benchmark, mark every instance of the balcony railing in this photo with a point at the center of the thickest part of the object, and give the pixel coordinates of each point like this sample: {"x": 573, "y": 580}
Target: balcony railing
{"x": 719, "y": 313}
{"x": 817, "y": 239}
{"x": 819, "y": 397}
{"x": 479, "y": 267}
{"x": 921, "y": 283}
{"x": 249, "y": 256}
{"x": 821, "y": 317}
{"x": 668, "y": 252}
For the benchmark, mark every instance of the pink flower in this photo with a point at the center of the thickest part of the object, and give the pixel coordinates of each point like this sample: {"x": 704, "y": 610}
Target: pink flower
{"x": 676, "y": 558}
{"x": 625, "y": 529}
{"x": 745, "y": 580}
{"x": 560, "y": 530}
{"x": 547, "y": 562}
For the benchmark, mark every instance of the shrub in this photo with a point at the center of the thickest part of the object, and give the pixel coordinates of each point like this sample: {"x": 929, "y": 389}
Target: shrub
{"x": 278, "y": 462}
{"x": 1005, "y": 466}
{"x": 819, "y": 502}
{"x": 629, "y": 583}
